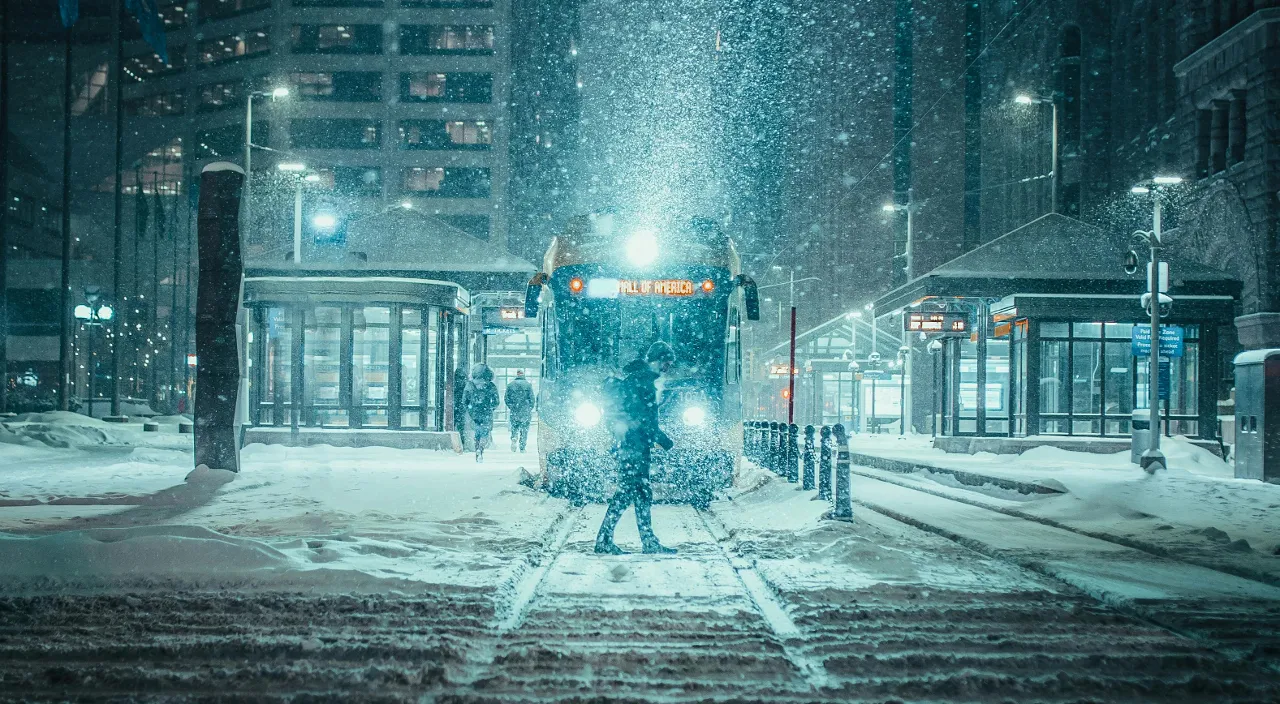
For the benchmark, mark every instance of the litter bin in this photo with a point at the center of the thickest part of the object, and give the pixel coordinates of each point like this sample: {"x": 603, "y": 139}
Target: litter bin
{"x": 1140, "y": 434}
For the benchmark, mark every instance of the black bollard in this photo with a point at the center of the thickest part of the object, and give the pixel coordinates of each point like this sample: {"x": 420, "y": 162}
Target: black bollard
{"x": 844, "y": 481}
{"x": 824, "y": 464}
{"x": 793, "y": 453}
{"x": 772, "y": 461}
{"x": 807, "y": 479}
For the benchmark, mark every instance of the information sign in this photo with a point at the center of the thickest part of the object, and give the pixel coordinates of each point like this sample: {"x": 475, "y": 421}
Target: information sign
{"x": 1170, "y": 341}
{"x": 937, "y": 323}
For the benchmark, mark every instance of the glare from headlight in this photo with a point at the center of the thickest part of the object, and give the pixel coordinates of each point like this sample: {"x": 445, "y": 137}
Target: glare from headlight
{"x": 587, "y": 415}
{"x": 642, "y": 248}
{"x": 695, "y": 415}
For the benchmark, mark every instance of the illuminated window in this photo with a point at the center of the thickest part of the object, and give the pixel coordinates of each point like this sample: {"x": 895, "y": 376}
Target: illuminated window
{"x": 337, "y": 39}
{"x": 254, "y": 42}
{"x": 460, "y": 87}
{"x": 441, "y": 134}
{"x": 446, "y": 39}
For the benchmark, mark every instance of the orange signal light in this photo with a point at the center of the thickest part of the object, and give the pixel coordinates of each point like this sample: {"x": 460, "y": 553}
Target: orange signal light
{"x": 786, "y": 393}
{"x": 575, "y": 285}
{"x": 708, "y": 286}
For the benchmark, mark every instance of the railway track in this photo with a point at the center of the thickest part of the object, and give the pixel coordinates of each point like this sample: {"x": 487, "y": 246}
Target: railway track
{"x": 726, "y": 619}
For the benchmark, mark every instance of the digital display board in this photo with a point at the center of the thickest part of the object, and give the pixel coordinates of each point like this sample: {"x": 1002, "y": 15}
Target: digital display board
{"x": 613, "y": 288}
{"x": 937, "y": 323}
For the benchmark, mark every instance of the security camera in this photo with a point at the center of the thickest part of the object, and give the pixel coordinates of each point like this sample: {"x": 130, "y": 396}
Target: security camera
{"x": 1131, "y": 262}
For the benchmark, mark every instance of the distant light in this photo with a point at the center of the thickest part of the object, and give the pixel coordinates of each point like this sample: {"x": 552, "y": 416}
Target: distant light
{"x": 291, "y": 166}
{"x": 1139, "y": 190}
{"x": 889, "y": 207}
{"x": 768, "y": 300}
{"x": 1167, "y": 180}
{"x": 191, "y": 360}
{"x": 694, "y": 415}
{"x": 105, "y": 313}
{"x": 280, "y": 92}
{"x": 1024, "y": 99}
{"x": 311, "y": 178}
{"x": 325, "y": 221}
{"x": 854, "y": 314}
{"x": 575, "y": 285}
{"x": 870, "y": 306}
{"x": 642, "y": 248}
{"x": 83, "y": 312}
{"x": 708, "y": 286}
{"x": 587, "y": 415}
{"x": 407, "y": 205}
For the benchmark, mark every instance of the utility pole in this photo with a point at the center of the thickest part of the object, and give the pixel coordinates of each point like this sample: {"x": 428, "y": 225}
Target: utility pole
{"x": 117, "y": 250}
{"x": 64, "y": 297}
{"x": 4, "y": 212}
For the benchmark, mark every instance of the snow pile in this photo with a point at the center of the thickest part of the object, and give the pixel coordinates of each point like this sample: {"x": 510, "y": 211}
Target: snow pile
{"x": 62, "y": 429}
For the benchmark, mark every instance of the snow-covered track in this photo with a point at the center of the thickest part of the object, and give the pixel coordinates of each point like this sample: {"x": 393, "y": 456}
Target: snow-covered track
{"x": 1234, "y": 615}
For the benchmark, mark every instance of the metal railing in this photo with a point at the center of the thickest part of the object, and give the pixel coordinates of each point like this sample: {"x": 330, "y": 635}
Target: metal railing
{"x": 822, "y": 463}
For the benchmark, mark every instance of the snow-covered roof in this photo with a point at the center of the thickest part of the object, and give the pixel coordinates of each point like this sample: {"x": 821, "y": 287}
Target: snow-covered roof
{"x": 1052, "y": 254}
{"x": 1256, "y": 356}
{"x": 406, "y": 240}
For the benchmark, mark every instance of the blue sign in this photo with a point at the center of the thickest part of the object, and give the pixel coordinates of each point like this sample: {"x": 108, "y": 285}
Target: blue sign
{"x": 874, "y": 374}
{"x": 1170, "y": 341}
{"x": 1165, "y": 379}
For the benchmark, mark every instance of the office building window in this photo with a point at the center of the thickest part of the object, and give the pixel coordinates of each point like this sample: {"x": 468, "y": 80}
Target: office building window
{"x": 219, "y": 9}
{"x": 349, "y": 180}
{"x": 337, "y": 39}
{"x": 254, "y": 42}
{"x": 442, "y": 134}
{"x": 219, "y": 96}
{"x": 418, "y": 39}
{"x": 148, "y": 66}
{"x": 339, "y": 133}
{"x": 337, "y": 3}
{"x": 461, "y": 87}
{"x": 464, "y": 182}
{"x": 156, "y": 105}
{"x": 342, "y": 86}
{"x": 448, "y": 4}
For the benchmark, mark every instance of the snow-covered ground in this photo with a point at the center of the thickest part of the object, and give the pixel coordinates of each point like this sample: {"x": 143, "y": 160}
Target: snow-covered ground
{"x": 1194, "y": 508}
{"x": 119, "y": 513}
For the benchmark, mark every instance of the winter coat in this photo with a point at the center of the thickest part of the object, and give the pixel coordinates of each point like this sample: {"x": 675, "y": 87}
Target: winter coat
{"x": 481, "y": 395}
{"x": 519, "y": 399}
{"x": 636, "y": 403}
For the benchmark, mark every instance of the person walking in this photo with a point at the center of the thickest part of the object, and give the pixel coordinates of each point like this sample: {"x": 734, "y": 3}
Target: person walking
{"x": 482, "y": 401}
{"x": 519, "y": 400}
{"x": 636, "y": 427}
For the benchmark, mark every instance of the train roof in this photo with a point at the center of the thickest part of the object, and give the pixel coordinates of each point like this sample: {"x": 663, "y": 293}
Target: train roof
{"x": 601, "y": 240}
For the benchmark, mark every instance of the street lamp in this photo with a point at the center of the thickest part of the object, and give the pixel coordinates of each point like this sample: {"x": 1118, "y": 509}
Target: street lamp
{"x": 274, "y": 93}
{"x": 298, "y": 168}
{"x": 1033, "y": 99}
{"x": 93, "y": 314}
{"x": 1152, "y": 458}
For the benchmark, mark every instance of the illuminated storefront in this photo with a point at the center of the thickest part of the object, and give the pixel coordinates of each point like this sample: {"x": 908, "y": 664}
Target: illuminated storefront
{"x": 1048, "y": 349}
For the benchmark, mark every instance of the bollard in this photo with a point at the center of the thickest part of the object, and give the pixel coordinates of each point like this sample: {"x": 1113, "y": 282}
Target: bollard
{"x": 844, "y": 481}
{"x": 757, "y": 431}
{"x": 807, "y": 480}
{"x": 793, "y": 453}
{"x": 824, "y": 464}
{"x": 771, "y": 450}
{"x": 780, "y": 450}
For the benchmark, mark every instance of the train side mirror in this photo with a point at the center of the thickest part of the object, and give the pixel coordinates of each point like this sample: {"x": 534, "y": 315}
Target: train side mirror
{"x": 750, "y": 295}
{"x": 532, "y": 294}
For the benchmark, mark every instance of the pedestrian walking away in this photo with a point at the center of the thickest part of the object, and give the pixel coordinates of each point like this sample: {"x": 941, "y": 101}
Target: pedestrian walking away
{"x": 519, "y": 400}
{"x": 481, "y": 401}
{"x": 635, "y": 426}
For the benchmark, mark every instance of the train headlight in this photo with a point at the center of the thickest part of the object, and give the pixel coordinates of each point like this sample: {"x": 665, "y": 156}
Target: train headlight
{"x": 587, "y": 415}
{"x": 642, "y": 248}
{"x": 694, "y": 415}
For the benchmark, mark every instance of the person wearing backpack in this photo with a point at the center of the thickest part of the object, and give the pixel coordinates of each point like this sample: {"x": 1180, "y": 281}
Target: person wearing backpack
{"x": 481, "y": 400}
{"x": 635, "y": 427}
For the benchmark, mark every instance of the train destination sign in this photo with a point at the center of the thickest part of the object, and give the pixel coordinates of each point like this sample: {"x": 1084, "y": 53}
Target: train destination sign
{"x": 612, "y": 288}
{"x": 946, "y": 323}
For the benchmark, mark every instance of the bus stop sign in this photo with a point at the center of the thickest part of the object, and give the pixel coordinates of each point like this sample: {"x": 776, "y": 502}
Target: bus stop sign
{"x": 1170, "y": 341}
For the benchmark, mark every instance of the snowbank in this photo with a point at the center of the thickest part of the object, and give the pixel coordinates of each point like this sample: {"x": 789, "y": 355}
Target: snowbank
{"x": 62, "y": 429}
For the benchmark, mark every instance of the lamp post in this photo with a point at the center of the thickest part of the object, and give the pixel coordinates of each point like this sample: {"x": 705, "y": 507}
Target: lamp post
{"x": 300, "y": 170}
{"x": 909, "y": 208}
{"x": 93, "y": 314}
{"x": 904, "y": 355}
{"x": 791, "y": 369}
{"x": 1152, "y": 458}
{"x": 278, "y": 92}
{"x": 1033, "y": 99}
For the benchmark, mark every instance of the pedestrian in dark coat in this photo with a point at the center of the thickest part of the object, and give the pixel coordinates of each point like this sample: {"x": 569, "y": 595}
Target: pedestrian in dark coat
{"x": 519, "y": 400}
{"x": 637, "y": 432}
{"x": 482, "y": 401}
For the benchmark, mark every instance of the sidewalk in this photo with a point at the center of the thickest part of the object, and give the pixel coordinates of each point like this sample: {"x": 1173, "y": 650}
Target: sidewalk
{"x": 1195, "y": 509}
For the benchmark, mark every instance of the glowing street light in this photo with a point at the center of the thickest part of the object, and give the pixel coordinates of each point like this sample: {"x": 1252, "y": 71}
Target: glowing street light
{"x": 642, "y": 248}
{"x": 280, "y": 92}
{"x": 325, "y": 221}
{"x": 291, "y": 166}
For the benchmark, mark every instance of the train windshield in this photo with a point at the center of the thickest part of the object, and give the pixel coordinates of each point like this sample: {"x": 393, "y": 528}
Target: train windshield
{"x": 612, "y": 332}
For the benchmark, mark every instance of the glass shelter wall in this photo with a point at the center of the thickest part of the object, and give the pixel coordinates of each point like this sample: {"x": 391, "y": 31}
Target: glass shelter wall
{"x": 359, "y": 366}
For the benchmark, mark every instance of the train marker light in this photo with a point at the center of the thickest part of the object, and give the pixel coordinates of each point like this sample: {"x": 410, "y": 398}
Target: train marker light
{"x": 708, "y": 286}
{"x": 642, "y": 248}
{"x": 575, "y": 285}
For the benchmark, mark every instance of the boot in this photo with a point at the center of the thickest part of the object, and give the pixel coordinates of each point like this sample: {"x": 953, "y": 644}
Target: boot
{"x": 608, "y": 548}
{"x": 653, "y": 547}
{"x": 604, "y": 538}
{"x": 644, "y": 522}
